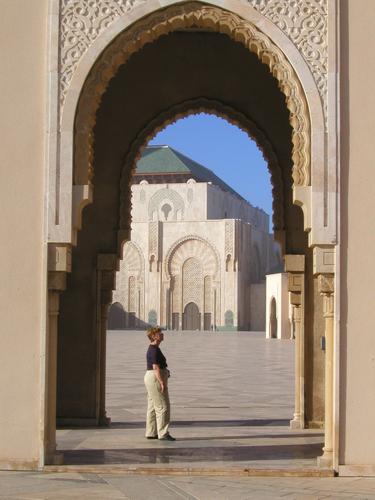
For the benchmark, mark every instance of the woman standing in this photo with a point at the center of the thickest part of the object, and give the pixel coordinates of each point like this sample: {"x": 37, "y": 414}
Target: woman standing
{"x": 156, "y": 382}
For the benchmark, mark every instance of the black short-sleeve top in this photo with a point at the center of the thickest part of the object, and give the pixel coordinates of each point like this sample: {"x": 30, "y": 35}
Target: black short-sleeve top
{"x": 155, "y": 357}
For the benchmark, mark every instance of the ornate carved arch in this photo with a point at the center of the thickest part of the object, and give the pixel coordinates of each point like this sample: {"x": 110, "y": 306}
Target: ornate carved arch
{"x": 214, "y": 258}
{"x": 221, "y": 110}
{"x": 191, "y": 15}
{"x": 134, "y": 254}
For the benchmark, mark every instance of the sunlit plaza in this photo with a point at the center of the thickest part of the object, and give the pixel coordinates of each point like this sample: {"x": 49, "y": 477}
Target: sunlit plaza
{"x": 232, "y": 397}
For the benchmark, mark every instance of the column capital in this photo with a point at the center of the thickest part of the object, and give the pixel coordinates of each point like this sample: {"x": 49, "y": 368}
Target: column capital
{"x": 326, "y": 284}
{"x": 296, "y": 299}
{"x": 57, "y": 281}
{"x": 295, "y": 283}
{"x": 323, "y": 259}
{"x": 294, "y": 263}
{"x": 59, "y": 257}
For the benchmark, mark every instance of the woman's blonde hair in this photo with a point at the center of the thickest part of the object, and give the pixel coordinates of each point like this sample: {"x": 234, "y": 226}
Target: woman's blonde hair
{"x": 152, "y": 331}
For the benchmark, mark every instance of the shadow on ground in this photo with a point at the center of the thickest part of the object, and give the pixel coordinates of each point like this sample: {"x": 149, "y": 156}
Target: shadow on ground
{"x": 162, "y": 455}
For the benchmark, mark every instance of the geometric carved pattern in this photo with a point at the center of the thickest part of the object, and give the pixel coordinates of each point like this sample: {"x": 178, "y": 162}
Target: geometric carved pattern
{"x": 192, "y": 15}
{"x": 130, "y": 275}
{"x": 162, "y": 195}
{"x": 196, "y": 248}
{"x": 207, "y": 294}
{"x": 132, "y": 259}
{"x": 81, "y": 22}
{"x": 153, "y": 240}
{"x": 132, "y": 295}
{"x": 303, "y": 21}
{"x": 229, "y": 238}
{"x": 192, "y": 282}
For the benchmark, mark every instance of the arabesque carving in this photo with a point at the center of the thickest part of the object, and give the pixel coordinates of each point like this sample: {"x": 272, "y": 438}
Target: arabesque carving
{"x": 81, "y": 22}
{"x": 191, "y": 15}
{"x": 216, "y": 108}
{"x": 303, "y": 21}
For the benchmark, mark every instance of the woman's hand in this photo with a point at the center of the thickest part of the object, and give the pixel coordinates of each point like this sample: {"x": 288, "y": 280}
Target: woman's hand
{"x": 156, "y": 368}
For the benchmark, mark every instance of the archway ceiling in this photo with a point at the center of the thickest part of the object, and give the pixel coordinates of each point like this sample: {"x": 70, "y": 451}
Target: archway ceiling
{"x": 186, "y": 66}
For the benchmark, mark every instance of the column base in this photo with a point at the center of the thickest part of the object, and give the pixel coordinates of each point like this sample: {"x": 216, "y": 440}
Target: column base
{"x": 104, "y": 421}
{"x": 326, "y": 460}
{"x": 296, "y": 423}
{"x": 55, "y": 458}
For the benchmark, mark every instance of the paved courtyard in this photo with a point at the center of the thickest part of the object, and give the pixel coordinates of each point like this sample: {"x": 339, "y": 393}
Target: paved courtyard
{"x": 232, "y": 398}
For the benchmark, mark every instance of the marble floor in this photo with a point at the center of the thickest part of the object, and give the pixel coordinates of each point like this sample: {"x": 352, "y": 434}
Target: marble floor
{"x": 232, "y": 399}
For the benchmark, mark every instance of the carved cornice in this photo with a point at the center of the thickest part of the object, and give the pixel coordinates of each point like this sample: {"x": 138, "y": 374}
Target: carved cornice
{"x": 191, "y": 15}
{"x": 303, "y": 21}
{"x": 216, "y": 108}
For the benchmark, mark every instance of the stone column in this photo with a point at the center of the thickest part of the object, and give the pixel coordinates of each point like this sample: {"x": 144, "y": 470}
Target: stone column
{"x": 295, "y": 266}
{"x": 59, "y": 263}
{"x": 326, "y": 288}
{"x": 324, "y": 268}
{"x": 107, "y": 265}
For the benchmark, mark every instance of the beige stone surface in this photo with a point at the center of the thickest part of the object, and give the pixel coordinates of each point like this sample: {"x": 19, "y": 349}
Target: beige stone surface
{"x": 22, "y": 268}
{"x": 357, "y": 341}
{"x": 29, "y": 96}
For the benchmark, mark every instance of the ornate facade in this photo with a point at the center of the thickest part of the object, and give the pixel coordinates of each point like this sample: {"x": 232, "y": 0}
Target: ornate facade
{"x": 198, "y": 251}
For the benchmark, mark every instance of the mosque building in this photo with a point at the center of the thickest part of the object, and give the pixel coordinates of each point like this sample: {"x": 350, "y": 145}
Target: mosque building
{"x": 198, "y": 253}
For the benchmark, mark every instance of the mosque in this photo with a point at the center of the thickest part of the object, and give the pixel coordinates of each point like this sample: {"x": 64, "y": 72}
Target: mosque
{"x": 198, "y": 253}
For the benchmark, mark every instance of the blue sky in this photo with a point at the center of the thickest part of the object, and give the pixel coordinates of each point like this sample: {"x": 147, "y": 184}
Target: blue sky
{"x": 224, "y": 149}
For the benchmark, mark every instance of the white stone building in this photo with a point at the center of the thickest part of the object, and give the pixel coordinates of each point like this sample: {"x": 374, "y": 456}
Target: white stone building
{"x": 198, "y": 253}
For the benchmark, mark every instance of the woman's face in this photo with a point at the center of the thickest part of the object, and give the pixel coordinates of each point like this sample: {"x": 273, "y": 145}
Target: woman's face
{"x": 159, "y": 337}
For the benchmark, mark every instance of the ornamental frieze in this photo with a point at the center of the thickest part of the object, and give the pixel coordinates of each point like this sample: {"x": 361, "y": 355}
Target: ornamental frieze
{"x": 303, "y": 21}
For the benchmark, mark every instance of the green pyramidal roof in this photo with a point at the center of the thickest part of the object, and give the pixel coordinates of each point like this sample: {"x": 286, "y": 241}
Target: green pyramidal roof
{"x": 166, "y": 160}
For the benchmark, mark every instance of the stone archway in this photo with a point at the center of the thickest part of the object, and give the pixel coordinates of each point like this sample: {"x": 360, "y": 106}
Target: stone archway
{"x": 189, "y": 16}
{"x": 88, "y": 120}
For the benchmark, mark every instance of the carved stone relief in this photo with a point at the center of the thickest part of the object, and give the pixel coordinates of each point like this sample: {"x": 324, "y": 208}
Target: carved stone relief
{"x": 166, "y": 194}
{"x": 303, "y": 21}
{"x": 192, "y": 281}
{"x": 191, "y": 15}
{"x": 81, "y": 22}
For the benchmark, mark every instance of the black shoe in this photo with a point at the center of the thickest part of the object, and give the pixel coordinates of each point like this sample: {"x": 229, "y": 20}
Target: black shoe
{"x": 151, "y": 437}
{"x": 167, "y": 437}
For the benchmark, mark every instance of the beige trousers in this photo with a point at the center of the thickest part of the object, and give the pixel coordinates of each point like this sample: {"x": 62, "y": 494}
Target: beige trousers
{"x": 158, "y": 406}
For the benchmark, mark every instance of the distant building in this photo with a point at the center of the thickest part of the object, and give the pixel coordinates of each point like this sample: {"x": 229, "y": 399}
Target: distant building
{"x": 198, "y": 253}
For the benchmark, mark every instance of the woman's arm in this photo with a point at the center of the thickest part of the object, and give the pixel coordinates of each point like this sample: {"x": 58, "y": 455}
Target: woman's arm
{"x": 156, "y": 368}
